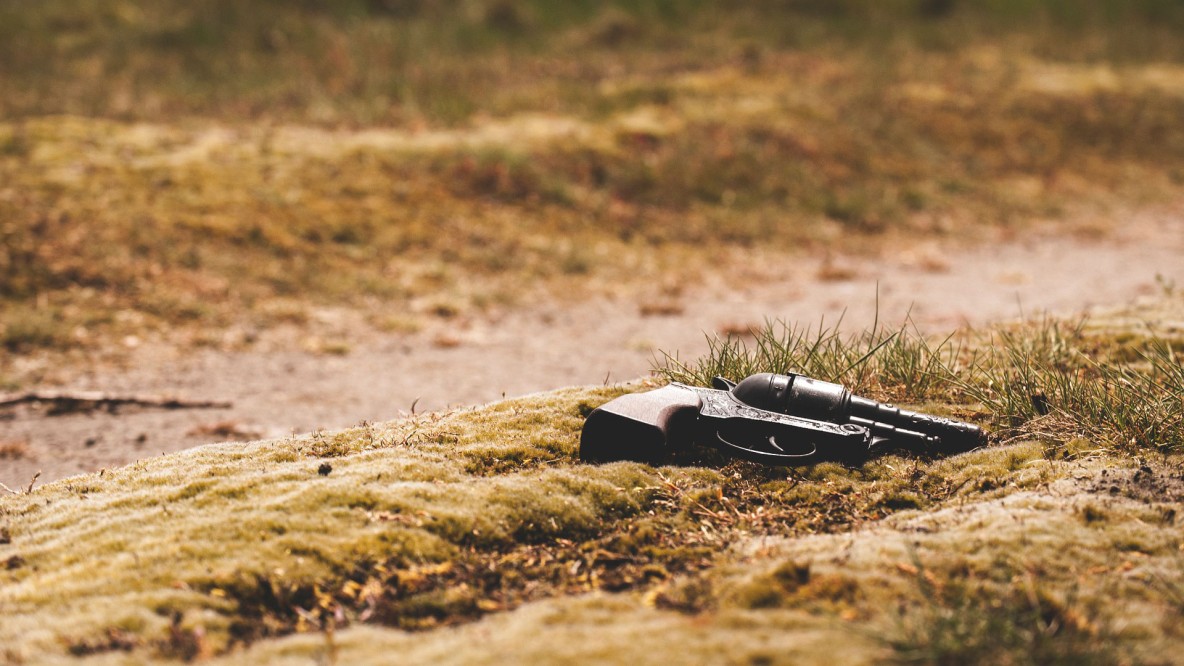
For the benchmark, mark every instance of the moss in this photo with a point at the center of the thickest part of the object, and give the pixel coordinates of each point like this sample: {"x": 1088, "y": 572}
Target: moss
{"x": 859, "y": 575}
{"x": 791, "y": 584}
{"x": 957, "y": 624}
{"x": 485, "y": 515}
{"x": 902, "y": 500}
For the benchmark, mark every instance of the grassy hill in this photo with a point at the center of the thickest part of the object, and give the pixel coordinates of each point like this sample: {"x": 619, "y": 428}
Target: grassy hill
{"x": 476, "y": 536}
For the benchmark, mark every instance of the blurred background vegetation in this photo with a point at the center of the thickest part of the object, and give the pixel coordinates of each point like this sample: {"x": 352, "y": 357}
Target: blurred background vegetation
{"x": 441, "y": 61}
{"x": 459, "y": 154}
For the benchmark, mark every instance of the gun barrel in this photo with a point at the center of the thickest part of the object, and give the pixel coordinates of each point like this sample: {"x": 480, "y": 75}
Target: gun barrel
{"x": 947, "y": 435}
{"x": 815, "y": 399}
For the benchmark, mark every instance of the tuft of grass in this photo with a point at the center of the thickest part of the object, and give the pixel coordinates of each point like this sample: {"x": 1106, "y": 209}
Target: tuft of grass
{"x": 1049, "y": 379}
{"x": 900, "y": 363}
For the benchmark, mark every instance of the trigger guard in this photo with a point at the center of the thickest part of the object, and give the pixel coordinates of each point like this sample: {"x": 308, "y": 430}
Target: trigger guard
{"x": 768, "y": 457}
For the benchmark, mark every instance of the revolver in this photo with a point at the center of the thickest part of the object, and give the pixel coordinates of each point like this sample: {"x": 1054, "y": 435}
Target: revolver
{"x": 769, "y": 418}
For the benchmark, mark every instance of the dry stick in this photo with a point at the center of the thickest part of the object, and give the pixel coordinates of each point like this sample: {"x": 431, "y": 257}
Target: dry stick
{"x": 28, "y": 490}
{"x": 85, "y": 400}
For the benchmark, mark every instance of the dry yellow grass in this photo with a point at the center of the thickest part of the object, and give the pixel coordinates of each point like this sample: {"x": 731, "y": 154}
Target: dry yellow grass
{"x": 564, "y": 164}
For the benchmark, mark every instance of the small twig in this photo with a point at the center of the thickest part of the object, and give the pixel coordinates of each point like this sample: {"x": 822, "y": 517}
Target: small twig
{"x": 29, "y": 490}
{"x": 71, "y": 401}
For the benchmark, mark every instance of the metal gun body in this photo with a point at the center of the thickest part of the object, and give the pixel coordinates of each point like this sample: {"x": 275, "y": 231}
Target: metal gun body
{"x": 816, "y": 399}
{"x": 767, "y": 418}
{"x": 649, "y": 427}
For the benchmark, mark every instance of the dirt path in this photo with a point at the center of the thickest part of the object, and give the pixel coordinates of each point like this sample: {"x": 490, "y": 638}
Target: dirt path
{"x": 280, "y": 392}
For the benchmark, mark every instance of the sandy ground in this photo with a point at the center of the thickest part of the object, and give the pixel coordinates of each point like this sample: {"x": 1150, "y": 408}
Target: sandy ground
{"x": 276, "y": 393}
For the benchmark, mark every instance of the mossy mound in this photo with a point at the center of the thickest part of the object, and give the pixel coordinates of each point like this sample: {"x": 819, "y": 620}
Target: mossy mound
{"x": 477, "y": 536}
{"x": 425, "y": 525}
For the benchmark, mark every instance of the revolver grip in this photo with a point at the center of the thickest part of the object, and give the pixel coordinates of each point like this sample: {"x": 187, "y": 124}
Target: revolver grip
{"x": 644, "y": 427}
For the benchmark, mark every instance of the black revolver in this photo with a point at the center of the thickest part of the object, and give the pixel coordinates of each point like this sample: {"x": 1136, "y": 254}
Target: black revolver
{"x": 768, "y": 418}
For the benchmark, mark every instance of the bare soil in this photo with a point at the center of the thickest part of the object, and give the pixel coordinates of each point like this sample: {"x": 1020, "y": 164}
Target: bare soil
{"x": 1147, "y": 484}
{"x": 276, "y": 391}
